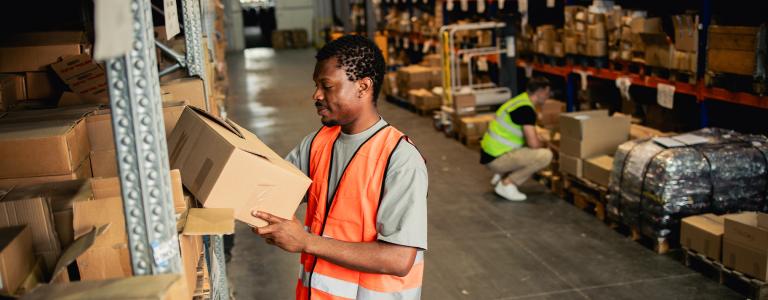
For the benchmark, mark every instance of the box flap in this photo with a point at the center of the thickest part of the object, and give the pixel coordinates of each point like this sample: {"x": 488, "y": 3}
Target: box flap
{"x": 707, "y": 222}
{"x": 208, "y": 221}
{"x": 150, "y": 287}
{"x": 223, "y": 123}
{"x": 77, "y": 248}
{"x": 604, "y": 162}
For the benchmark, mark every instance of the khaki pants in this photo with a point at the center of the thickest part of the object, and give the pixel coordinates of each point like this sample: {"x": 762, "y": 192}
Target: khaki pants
{"x": 517, "y": 166}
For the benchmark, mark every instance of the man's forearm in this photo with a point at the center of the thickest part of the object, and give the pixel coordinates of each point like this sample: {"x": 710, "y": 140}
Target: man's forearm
{"x": 369, "y": 257}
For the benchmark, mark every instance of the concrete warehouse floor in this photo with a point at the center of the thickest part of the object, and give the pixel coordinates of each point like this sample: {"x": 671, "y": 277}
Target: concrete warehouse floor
{"x": 480, "y": 246}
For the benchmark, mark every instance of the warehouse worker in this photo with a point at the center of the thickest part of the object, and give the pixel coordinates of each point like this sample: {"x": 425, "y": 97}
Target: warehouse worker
{"x": 511, "y": 148}
{"x": 366, "y": 220}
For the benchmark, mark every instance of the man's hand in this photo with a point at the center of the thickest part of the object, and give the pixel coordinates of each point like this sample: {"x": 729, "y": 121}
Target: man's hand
{"x": 286, "y": 234}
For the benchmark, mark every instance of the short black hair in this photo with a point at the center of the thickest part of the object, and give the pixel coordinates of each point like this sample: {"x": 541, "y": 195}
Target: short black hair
{"x": 537, "y": 83}
{"x": 359, "y": 57}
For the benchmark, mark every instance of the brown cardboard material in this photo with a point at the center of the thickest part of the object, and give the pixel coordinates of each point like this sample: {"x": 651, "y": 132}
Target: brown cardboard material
{"x": 190, "y": 90}
{"x": 744, "y": 228}
{"x": 731, "y": 49}
{"x": 154, "y": 287}
{"x": 549, "y": 114}
{"x": 592, "y": 133}
{"x": 642, "y": 132}
{"x": 40, "y": 85}
{"x": 29, "y": 206}
{"x": 475, "y": 126}
{"x": 464, "y": 104}
{"x": 217, "y": 158}
{"x": 571, "y": 123}
{"x": 82, "y": 75}
{"x": 104, "y": 163}
{"x": 99, "y": 124}
{"x": 745, "y": 258}
{"x": 646, "y": 25}
{"x": 42, "y": 148}
{"x": 686, "y": 32}
{"x": 11, "y": 90}
{"x": 598, "y": 169}
{"x": 83, "y": 171}
{"x": 35, "y": 51}
{"x": 16, "y": 257}
{"x": 192, "y": 225}
{"x": 191, "y": 248}
{"x": 703, "y": 234}
{"x": 571, "y": 165}
{"x": 109, "y": 256}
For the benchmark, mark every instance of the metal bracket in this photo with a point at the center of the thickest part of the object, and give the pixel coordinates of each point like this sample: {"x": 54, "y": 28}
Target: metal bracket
{"x": 142, "y": 154}
{"x": 192, "y": 35}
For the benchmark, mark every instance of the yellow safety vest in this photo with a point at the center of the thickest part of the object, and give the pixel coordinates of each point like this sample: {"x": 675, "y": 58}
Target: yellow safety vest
{"x": 503, "y": 134}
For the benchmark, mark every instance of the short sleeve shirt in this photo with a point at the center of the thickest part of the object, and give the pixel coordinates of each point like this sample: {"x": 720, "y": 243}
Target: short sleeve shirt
{"x": 402, "y": 215}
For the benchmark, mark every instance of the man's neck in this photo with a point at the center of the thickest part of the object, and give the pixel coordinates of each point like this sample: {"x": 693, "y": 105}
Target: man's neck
{"x": 362, "y": 123}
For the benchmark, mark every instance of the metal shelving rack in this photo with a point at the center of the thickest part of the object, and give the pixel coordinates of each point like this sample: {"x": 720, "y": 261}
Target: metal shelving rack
{"x": 143, "y": 167}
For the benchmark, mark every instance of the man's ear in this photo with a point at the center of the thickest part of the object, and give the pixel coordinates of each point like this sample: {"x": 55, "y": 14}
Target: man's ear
{"x": 364, "y": 86}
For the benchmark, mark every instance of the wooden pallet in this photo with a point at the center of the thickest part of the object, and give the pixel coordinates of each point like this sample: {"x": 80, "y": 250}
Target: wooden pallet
{"x": 737, "y": 281}
{"x": 586, "y": 195}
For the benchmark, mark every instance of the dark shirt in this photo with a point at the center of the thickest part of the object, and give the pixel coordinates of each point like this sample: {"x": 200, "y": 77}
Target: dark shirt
{"x": 524, "y": 115}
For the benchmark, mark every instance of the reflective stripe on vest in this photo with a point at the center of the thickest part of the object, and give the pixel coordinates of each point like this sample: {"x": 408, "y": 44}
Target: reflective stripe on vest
{"x": 351, "y": 217}
{"x": 503, "y": 134}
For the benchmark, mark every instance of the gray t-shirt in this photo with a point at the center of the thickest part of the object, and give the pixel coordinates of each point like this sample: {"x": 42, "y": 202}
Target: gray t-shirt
{"x": 402, "y": 215}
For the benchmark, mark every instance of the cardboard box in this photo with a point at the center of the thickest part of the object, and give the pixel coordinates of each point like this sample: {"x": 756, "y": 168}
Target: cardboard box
{"x": 82, "y": 75}
{"x": 104, "y": 163}
{"x": 731, "y": 49}
{"x": 108, "y": 187}
{"x": 749, "y": 228}
{"x": 11, "y": 90}
{"x": 570, "y": 165}
{"x": 597, "y": 48}
{"x": 745, "y": 258}
{"x": 30, "y": 206}
{"x": 414, "y": 77}
{"x": 40, "y": 85}
{"x": 195, "y": 223}
{"x": 598, "y": 169}
{"x": 642, "y": 132}
{"x": 596, "y": 31}
{"x": 703, "y": 234}
{"x": 150, "y": 287}
{"x": 83, "y": 171}
{"x": 686, "y": 32}
{"x": 16, "y": 257}
{"x": 42, "y": 147}
{"x": 191, "y": 90}
{"x": 464, "y": 104}
{"x": 549, "y": 113}
{"x": 646, "y": 25}
{"x": 35, "y": 51}
{"x": 217, "y": 160}
{"x": 99, "y": 125}
{"x": 475, "y": 126}
{"x": 592, "y": 133}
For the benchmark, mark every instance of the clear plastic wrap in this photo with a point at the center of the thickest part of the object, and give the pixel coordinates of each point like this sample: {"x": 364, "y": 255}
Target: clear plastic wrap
{"x": 652, "y": 187}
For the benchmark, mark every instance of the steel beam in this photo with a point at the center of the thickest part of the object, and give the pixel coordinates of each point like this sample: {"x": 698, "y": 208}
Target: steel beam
{"x": 142, "y": 154}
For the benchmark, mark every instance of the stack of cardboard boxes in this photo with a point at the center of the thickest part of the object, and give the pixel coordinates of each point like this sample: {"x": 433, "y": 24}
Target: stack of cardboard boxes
{"x": 424, "y": 100}
{"x": 731, "y": 49}
{"x": 597, "y": 34}
{"x": 290, "y": 39}
{"x": 547, "y": 41}
{"x": 575, "y": 30}
{"x": 686, "y": 43}
{"x": 738, "y": 241}
{"x": 472, "y": 128}
{"x": 590, "y": 138}
{"x": 416, "y": 77}
{"x": 655, "y": 44}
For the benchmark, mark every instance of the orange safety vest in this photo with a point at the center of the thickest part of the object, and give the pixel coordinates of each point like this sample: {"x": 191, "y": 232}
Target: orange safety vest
{"x": 351, "y": 217}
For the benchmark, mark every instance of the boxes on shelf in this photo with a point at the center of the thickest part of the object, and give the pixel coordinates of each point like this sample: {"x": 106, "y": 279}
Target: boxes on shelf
{"x": 83, "y": 76}
{"x": 11, "y": 90}
{"x": 413, "y": 77}
{"x": 154, "y": 287}
{"x": 598, "y": 169}
{"x": 214, "y": 157}
{"x": 592, "y": 133}
{"x": 703, "y": 234}
{"x": 464, "y": 104}
{"x": 731, "y": 49}
{"x": 641, "y": 25}
{"x": 549, "y": 115}
{"x": 389, "y": 86}
{"x": 99, "y": 124}
{"x": 745, "y": 243}
{"x": 36, "y": 50}
{"x": 47, "y": 210}
{"x": 191, "y": 90}
{"x": 42, "y": 85}
{"x": 570, "y": 164}
{"x": 16, "y": 257}
{"x": 42, "y": 143}
{"x": 686, "y": 32}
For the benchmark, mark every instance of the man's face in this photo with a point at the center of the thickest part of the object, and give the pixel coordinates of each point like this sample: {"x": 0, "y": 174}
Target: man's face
{"x": 336, "y": 97}
{"x": 540, "y": 95}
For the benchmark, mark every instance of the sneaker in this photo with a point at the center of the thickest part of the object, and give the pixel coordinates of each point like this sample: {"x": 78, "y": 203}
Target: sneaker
{"x": 509, "y": 192}
{"x": 495, "y": 180}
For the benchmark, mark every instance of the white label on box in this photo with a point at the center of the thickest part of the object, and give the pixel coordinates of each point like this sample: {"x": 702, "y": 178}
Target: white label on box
{"x": 480, "y": 6}
{"x": 113, "y": 23}
{"x": 522, "y": 6}
{"x": 464, "y": 5}
{"x": 171, "y": 13}
{"x": 665, "y": 95}
{"x": 623, "y": 83}
{"x": 550, "y": 3}
{"x": 449, "y": 5}
{"x": 162, "y": 252}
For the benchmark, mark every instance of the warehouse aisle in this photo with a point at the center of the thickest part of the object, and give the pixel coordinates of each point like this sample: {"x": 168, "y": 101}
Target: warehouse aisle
{"x": 480, "y": 247}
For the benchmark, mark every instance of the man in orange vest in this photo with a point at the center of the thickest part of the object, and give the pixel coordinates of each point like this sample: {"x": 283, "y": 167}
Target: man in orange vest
{"x": 365, "y": 229}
